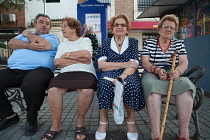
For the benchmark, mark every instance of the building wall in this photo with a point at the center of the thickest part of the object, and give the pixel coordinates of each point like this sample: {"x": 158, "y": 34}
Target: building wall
{"x": 32, "y": 8}
{"x": 198, "y": 54}
{"x": 138, "y": 35}
{"x": 54, "y": 10}
{"x": 66, "y": 8}
{"x": 20, "y": 18}
{"x": 137, "y": 13}
{"x": 129, "y": 8}
{"x": 69, "y": 8}
{"x": 125, "y": 7}
{"x": 110, "y": 8}
{"x": 81, "y": 1}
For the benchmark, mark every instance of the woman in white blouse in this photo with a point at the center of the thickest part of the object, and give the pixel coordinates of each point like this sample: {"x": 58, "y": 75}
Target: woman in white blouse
{"x": 74, "y": 57}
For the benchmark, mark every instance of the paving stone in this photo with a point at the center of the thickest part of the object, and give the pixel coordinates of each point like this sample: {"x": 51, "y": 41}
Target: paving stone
{"x": 114, "y": 132}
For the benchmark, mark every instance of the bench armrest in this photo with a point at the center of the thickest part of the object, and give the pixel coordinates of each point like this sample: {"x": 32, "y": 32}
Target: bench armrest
{"x": 193, "y": 76}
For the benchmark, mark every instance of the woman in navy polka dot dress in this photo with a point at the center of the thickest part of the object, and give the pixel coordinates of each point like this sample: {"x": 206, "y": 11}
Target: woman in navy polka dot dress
{"x": 119, "y": 58}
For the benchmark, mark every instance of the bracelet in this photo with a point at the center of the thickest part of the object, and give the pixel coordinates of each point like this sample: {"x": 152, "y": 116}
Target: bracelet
{"x": 153, "y": 68}
{"x": 68, "y": 55}
{"x": 125, "y": 74}
{"x": 179, "y": 71}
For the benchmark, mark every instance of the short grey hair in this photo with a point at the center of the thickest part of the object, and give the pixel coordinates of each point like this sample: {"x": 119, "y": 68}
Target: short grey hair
{"x": 41, "y": 15}
{"x": 170, "y": 17}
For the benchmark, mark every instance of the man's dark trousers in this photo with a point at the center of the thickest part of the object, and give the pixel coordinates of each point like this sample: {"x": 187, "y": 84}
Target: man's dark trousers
{"x": 33, "y": 84}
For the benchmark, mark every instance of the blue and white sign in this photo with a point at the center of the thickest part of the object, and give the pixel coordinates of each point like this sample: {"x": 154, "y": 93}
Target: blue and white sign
{"x": 94, "y": 13}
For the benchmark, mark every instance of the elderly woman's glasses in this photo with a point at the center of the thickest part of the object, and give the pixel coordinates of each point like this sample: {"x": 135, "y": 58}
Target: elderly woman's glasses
{"x": 118, "y": 24}
{"x": 168, "y": 26}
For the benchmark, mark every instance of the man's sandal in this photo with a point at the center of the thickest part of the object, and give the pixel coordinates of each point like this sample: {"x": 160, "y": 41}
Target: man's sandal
{"x": 100, "y": 136}
{"x": 49, "y": 135}
{"x": 132, "y": 136}
{"x": 80, "y": 133}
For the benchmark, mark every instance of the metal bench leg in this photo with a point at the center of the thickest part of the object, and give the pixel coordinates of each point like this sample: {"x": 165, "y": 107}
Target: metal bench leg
{"x": 14, "y": 95}
{"x": 197, "y": 127}
{"x": 19, "y": 101}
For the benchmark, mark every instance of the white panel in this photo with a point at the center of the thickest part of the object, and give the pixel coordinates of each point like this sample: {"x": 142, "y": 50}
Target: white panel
{"x": 12, "y": 17}
{"x": 53, "y": 10}
{"x": 8, "y": 17}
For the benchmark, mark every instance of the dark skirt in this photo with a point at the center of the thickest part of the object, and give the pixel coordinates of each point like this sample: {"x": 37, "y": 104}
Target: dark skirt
{"x": 74, "y": 80}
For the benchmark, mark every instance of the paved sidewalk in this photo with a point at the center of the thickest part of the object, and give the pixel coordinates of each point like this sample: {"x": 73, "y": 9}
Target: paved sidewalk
{"x": 115, "y": 132}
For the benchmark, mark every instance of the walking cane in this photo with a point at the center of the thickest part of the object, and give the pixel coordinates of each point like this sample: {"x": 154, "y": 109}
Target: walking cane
{"x": 173, "y": 56}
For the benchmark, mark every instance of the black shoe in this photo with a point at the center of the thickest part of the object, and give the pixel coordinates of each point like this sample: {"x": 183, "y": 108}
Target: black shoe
{"x": 4, "y": 123}
{"x": 31, "y": 128}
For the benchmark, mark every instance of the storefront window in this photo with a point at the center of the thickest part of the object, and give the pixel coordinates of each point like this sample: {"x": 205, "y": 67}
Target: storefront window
{"x": 51, "y": 1}
{"x": 186, "y": 22}
{"x": 144, "y": 4}
{"x": 4, "y": 54}
{"x": 203, "y": 17}
{"x": 149, "y": 36}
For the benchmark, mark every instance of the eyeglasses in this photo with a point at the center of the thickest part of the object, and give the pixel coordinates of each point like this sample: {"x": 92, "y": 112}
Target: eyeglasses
{"x": 118, "y": 24}
{"x": 168, "y": 26}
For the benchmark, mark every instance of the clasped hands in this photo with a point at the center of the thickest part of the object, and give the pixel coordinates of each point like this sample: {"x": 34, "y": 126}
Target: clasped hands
{"x": 174, "y": 74}
{"x": 66, "y": 55}
{"x": 34, "y": 45}
{"x": 131, "y": 64}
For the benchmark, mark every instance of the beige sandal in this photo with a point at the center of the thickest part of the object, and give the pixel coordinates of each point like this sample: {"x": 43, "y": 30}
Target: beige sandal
{"x": 100, "y": 136}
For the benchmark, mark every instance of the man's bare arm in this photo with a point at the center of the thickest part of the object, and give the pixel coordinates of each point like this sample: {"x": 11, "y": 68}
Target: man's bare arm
{"x": 18, "y": 44}
{"x": 35, "y": 43}
{"x": 39, "y": 40}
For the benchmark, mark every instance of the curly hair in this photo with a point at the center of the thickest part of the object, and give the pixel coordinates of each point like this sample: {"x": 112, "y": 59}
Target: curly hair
{"x": 112, "y": 20}
{"x": 74, "y": 24}
{"x": 172, "y": 18}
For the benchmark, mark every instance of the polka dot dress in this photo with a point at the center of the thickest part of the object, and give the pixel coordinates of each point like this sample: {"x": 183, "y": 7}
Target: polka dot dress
{"x": 133, "y": 93}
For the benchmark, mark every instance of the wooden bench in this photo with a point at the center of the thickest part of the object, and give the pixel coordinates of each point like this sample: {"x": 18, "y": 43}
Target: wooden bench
{"x": 14, "y": 94}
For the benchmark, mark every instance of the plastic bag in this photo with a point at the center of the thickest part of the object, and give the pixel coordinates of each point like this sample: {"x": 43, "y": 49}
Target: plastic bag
{"x": 117, "y": 107}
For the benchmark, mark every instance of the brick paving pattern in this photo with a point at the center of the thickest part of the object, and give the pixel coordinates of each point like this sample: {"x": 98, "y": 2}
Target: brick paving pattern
{"x": 114, "y": 132}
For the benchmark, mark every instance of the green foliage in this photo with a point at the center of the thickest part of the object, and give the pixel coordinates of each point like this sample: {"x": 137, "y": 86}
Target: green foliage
{"x": 2, "y": 45}
{"x": 19, "y": 4}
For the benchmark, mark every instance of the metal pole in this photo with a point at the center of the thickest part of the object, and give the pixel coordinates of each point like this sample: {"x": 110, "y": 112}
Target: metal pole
{"x": 44, "y": 6}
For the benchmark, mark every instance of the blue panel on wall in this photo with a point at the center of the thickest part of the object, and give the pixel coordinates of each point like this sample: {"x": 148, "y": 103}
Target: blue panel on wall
{"x": 198, "y": 49}
{"x": 95, "y": 8}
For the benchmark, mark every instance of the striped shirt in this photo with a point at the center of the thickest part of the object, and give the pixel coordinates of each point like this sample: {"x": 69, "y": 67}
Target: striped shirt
{"x": 160, "y": 58}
